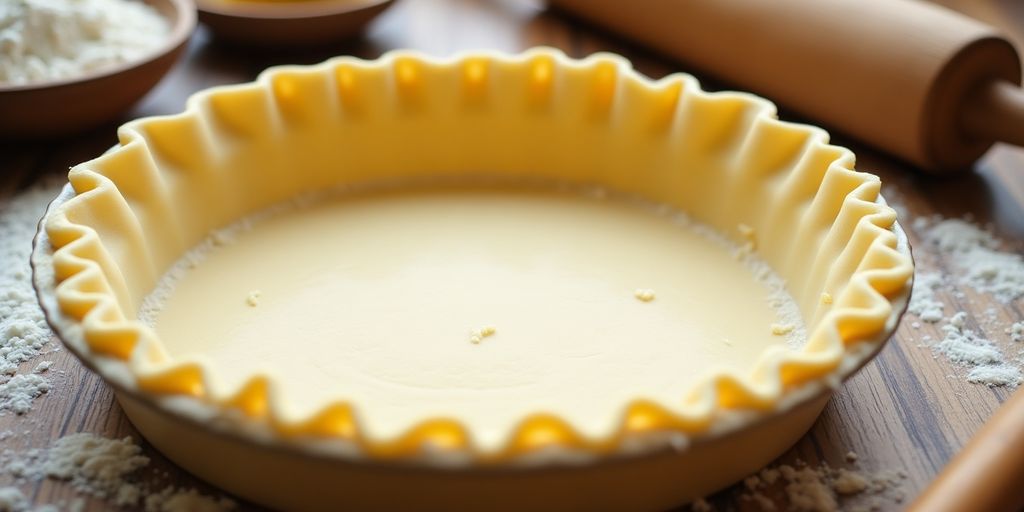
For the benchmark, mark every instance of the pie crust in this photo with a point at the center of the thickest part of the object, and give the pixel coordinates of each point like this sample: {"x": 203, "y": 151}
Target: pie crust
{"x": 128, "y": 216}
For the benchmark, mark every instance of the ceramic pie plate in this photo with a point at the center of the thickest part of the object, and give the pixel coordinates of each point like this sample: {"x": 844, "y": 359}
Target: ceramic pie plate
{"x": 502, "y": 281}
{"x": 288, "y": 22}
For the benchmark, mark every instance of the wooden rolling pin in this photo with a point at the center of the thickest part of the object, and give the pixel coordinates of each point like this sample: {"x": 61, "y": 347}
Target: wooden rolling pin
{"x": 917, "y": 80}
{"x": 988, "y": 474}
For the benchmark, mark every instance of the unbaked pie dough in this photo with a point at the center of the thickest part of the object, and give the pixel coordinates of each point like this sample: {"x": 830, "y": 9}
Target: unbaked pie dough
{"x": 486, "y": 304}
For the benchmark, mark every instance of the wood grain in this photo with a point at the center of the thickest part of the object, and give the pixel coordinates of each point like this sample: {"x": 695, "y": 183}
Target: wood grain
{"x": 906, "y": 411}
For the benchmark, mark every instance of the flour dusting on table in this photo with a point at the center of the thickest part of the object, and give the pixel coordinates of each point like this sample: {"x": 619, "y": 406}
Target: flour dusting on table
{"x": 976, "y": 260}
{"x": 12, "y": 500}
{"x": 822, "y": 488}
{"x": 977, "y": 256}
{"x": 108, "y": 469}
{"x": 923, "y": 301}
{"x": 986, "y": 361}
{"x": 24, "y": 334}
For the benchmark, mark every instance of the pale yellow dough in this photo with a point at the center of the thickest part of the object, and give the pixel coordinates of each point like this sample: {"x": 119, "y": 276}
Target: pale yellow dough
{"x": 778, "y": 190}
{"x": 368, "y": 297}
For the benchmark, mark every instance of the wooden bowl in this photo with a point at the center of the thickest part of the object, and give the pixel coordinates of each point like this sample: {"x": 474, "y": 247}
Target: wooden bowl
{"x": 288, "y": 23}
{"x": 59, "y": 107}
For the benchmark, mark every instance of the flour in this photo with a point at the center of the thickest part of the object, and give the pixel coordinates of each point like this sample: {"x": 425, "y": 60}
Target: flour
{"x": 96, "y": 465}
{"x": 923, "y": 301}
{"x": 977, "y": 256}
{"x": 18, "y": 392}
{"x": 849, "y": 482}
{"x": 12, "y": 500}
{"x": 976, "y": 259}
{"x": 174, "y": 499}
{"x": 1016, "y": 332}
{"x": 822, "y": 488}
{"x": 23, "y": 330}
{"x": 988, "y": 365}
{"x": 106, "y": 468}
{"x": 1004, "y": 374}
{"x": 44, "y": 40}
{"x": 808, "y": 489}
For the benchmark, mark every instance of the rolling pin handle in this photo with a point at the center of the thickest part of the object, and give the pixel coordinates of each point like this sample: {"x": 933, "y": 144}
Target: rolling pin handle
{"x": 986, "y": 474}
{"x": 996, "y": 113}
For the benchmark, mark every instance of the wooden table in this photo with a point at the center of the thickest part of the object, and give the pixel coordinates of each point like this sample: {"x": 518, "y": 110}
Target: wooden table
{"x": 905, "y": 411}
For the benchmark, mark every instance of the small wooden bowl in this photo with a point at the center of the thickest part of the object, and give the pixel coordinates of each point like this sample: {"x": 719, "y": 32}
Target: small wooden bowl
{"x": 60, "y": 107}
{"x": 288, "y": 23}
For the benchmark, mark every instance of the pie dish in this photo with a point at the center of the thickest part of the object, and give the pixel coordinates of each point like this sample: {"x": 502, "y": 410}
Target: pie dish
{"x": 306, "y": 249}
{"x": 288, "y": 22}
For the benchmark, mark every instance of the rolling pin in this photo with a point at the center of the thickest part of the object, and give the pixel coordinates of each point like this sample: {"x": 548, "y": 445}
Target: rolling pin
{"x": 917, "y": 80}
{"x": 988, "y": 474}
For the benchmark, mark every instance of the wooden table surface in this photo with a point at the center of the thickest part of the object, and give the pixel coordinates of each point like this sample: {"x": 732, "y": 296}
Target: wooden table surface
{"x": 906, "y": 411}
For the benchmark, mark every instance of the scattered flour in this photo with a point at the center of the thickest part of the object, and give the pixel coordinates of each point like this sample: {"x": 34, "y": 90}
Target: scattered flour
{"x": 808, "y": 489}
{"x": 12, "y": 500}
{"x": 96, "y": 465}
{"x": 995, "y": 375}
{"x": 850, "y": 482}
{"x": 18, "y": 392}
{"x": 976, "y": 254}
{"x": 56, "y": 39}
{"x": 923, "y": 302}
{"x": 1016, "y": 332}
{"x": 174, "y": 499}
{"x": 976, "y": 260}
{"x": 23, "y": 330}
{"x": 988, "y": 365}
{"x": 105, "y": 468}
{"x": 822, "y": 488}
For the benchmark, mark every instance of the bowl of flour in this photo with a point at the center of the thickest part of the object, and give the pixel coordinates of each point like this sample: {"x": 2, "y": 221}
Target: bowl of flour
{"x": 69, "y": 65}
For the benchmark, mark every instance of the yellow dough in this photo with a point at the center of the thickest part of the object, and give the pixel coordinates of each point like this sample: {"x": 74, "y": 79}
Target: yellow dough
{"x": 373, "y": 297}
{"x": 634, "y": 363}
